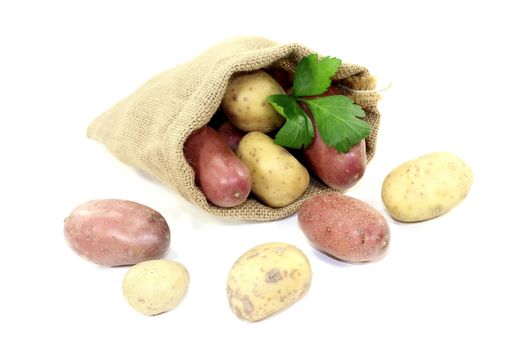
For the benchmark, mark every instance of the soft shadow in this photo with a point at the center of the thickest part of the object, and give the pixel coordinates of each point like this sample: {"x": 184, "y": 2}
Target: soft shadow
{"x": 148, "y": 177}
{"x": 171, "y": 255}
{"x": 203, "y": 218}
{"x": 335, "y": 261}
{"x": 330, "y": 260}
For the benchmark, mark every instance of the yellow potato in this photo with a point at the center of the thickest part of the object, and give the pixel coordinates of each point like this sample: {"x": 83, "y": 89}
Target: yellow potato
{"x": 155, "y": 286}
{"x": 245, "y": 103}
{"x": 278, "y": 179}
{"x": 266, "y": 279}
{"x": 426, "y": 187}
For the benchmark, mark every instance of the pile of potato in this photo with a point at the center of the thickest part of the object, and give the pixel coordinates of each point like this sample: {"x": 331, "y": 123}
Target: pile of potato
{"x": 238, "y": 159}
{"x": 112, "y": 232}
{"x": 241, "y": 156}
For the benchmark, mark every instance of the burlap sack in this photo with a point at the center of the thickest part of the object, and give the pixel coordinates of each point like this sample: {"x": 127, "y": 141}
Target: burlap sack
{"x": 147, "y": 129}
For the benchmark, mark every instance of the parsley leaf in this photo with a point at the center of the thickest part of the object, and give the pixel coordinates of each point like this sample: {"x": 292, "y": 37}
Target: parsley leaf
{"x": 298, "y": 131}
{"x": 338, "y": 121}
{"x": 312, "y": 76}
{"x": 337, "y": 117}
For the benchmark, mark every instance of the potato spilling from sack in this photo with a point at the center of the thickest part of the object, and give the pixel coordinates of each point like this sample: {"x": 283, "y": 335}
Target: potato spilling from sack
{"x": 426, "y": 187}
{"x": 338, "y": 170}
{"x": 315, "y": 120}
{"x": 266, "y": 279}
{"x": 155, "y": 286}
{"x": 222, "y": 177}
{"x": 114, "y": 232}
{"x": 278, "y": 179}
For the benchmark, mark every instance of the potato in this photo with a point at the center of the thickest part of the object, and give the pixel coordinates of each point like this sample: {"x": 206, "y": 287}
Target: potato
{"x": 231, "y": 135}
{"x": 344, "y": 227}
{"x": 223, "y": 178}
{"x": 337, "y": 170}
{"x": 278, "y": 179}
{"x": 114, "y": 232}
{"x": 155, "y": 286}
{"x": 266, "y": 279}
{"x": 426, "y": 187}
{"x": 245, "y": 103}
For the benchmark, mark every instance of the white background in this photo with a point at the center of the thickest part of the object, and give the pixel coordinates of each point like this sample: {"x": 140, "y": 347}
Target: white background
{"x": 457, "y": 74}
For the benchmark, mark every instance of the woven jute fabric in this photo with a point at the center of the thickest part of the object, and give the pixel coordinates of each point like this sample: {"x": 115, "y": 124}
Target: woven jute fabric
{"x": 147, "y": 129}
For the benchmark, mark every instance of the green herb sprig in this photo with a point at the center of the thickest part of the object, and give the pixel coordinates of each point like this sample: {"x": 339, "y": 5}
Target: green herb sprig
{"x": 338, "y": 118}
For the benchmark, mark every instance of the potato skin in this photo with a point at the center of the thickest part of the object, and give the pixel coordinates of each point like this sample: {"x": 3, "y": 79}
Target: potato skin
{"x": 344, "y": 227}
{"x": 223, "y": 178}
{"x": 337, "y": 170}
{"x": 114, "y": 232}
{"x": 245, "y": 103}
{"x": 266, "y": 279}
{"x": 278, "y": 179}
{"x": 155, "y": 286}
{"x": 426, "y": 187}
{"x": 231, "y": 135}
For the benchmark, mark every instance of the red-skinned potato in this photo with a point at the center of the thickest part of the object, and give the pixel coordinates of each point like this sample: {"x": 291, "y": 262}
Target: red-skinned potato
{"x": 344, "y": 227}
{"x": 337, "y": 170}
{"x": 223, "y": 178}
{"x": 114, "y": 232}
{"x": 231, "y": 134}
